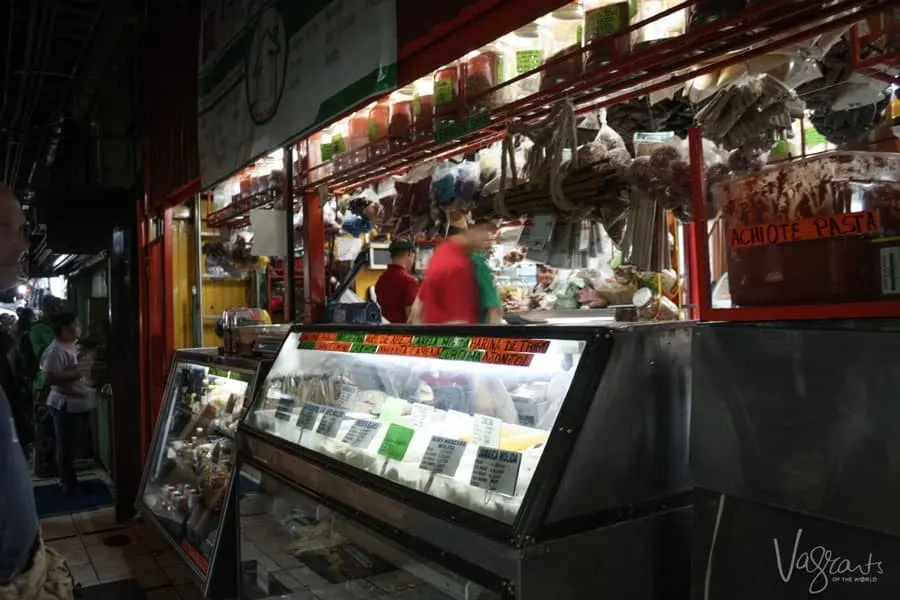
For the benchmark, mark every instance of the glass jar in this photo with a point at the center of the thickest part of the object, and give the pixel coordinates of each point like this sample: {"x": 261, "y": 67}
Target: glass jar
{"x": 340, "y": 134}
{"x": 400, "y": 126}
{"x": 483, "y": 72}
{"x": 423, "y": 108}
{"x": 523, "y": 53}
{"x": 446, "y": 92}
{"x": 565, "y": 29}
{"x": 670, "y": 26}
{"x": 706, "y": 12}
{"x": 379, "y": 118}
{"x": 602, "y": 19}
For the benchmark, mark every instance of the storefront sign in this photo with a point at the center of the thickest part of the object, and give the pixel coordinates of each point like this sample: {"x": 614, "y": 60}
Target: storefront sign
{"x": 362, "y": 433}
{"x": 496, "y": 470}
{"x": 816, "y": 228}
{"x": 442, "y": 455}
{"x": 271, "y": 70}
{"x": 396, "y": 442}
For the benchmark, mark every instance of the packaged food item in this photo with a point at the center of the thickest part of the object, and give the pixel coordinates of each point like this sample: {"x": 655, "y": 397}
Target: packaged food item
{"x": 563, "y": 38}
{"x": 652, "y": 306}
{"x": 423, "y": 108}
{"x": 603, "y": 19}
{"x": 446, "y": 92}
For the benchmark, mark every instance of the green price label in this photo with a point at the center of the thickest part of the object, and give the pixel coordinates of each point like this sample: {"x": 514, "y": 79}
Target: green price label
{"x": 443, "y": 92}
{"x": 337, "y": 144}
{"x": 447, "y": 132}
{"x": 606, "y": 20}
{"x": 327, "y": 151}
{"x": 527, "y": 60}
{"x": 306, "y": 346}
{"x": 462, "y": 354}
{"x": 363, "y": 348}
{"x": 396, "y": 442}
{"x": 351, "y": 337}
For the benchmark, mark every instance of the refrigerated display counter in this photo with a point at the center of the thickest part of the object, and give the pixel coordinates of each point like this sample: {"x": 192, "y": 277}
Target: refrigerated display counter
{"x": 468, "y": 462}
{"x": 186, "y": 490}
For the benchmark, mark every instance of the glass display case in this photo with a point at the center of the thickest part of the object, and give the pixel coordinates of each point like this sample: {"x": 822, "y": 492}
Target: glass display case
{"x": 295, "y": 546}
{"x": 188, "y": 478}
{"x": 464, "y": 418}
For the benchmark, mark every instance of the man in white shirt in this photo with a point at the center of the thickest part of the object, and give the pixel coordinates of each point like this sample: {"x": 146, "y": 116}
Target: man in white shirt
{"x": 59, "y": 365}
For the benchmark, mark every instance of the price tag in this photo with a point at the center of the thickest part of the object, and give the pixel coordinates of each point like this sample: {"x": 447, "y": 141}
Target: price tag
{"x": 284, "y": 409}
{"x": 421, "y": 415}
{"x": 330, "y": 422}
{"x": 308, "y": 415}
{"x": 362, "y": 433}
{"x": 443, "y": 455}
{"x": 496, "y": 470}
{"x": 347, "y": 399}
{"x": 396, "y": 442}
{"x": 486, "y": 431}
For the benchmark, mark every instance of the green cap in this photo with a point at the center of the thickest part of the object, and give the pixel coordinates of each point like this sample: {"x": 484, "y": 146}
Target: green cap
{"x": 400, "y": 246}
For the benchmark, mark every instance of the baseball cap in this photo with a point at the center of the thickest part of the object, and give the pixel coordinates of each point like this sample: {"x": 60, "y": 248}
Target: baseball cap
{"x": 400, "y": 246}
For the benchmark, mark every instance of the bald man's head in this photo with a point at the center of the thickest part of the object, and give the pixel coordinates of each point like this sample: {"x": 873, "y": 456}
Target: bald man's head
{"x": 13, "y": 239}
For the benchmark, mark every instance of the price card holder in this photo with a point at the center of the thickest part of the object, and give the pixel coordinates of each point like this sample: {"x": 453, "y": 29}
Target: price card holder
{"x": 285, "y": 408}
{"x": 442, "y": 455}
{"x": 395, "y": 444}
{"x": 486, "y": 431}
{"x": 347, "y": 399}
{"x": 330, "y": 422}
{"x": 307, "y": 418}
{"x": 496, "y": 470}
{"x": 421, "y": 415}
{"x": 362, "y": 433}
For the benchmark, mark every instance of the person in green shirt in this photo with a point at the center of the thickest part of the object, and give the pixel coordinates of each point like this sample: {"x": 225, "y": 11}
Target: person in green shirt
{"x": 41, "y": 336}
{"x": 488, "y": 296}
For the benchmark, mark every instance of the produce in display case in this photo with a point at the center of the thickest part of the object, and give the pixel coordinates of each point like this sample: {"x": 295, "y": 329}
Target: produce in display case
{"x": 187, "y": 481}
{"x": 463, "y": 419}
{"x": 294, "y": 546}
{"x": 505, "y": 455}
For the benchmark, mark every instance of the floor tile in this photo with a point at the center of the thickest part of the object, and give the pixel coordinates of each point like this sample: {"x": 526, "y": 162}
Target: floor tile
{"x": 166, "y": 558}
{"x": 103, "y": 519}
{"x": 99, "y": 550}
{"x": 72, "y": 550}
{"x": 178, "y": 574}
{"x": 152, "y": 578}
{"x": 163, "y": 594}
{"x": 55, "y": 528}
{"x": 84, "y": 574}
{"x": 123, "y": 568}
{"x": 189, "y": 592}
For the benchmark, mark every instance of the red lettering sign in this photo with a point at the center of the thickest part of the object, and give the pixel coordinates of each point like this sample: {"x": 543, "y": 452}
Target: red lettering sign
{"x": 388, "y": 340}
{"x": 423, "y": 351}
{"x": 512, "y": 359}
{"x": 510, "y": 345}
{"x": 815, "y": 228}
{"x": 333, "y": 346}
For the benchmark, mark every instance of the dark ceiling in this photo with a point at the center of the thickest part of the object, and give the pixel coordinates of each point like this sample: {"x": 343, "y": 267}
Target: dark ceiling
{"x": 62, "y": 72}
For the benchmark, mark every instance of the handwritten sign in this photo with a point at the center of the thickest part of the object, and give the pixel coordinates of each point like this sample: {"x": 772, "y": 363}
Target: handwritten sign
{"x": 396, "y": 442}
{"x": 284, "y": 408}
{"x": 511, "y": 359}
{"x": 442, "y": 455}
{"x": 347, "y": 399}
{"x": 308, "y": 415}
{"x": 815, "y": 228}
{"x": 510, "y": 345}
{"x": 421, "y": 415}
{"x": 486, "y": 431}
{"x": 362, "y": 433}
{"x": 330, "y": 422}
{"x": 496, "y": 470}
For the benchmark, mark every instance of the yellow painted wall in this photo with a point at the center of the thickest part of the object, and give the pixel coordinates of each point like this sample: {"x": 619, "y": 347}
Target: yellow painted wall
{"x": 183, "y": 266}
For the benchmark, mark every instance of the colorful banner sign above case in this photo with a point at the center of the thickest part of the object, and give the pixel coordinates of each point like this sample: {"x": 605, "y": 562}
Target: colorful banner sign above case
{"x": 498, "y": 351}
{"x": 278, "y": 70}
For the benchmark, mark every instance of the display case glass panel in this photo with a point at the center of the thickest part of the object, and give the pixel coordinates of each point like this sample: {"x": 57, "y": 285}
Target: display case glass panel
{"x": 463, "y": 419}
{"x": 191, "y": 466}
{"x": 292, "y": 546}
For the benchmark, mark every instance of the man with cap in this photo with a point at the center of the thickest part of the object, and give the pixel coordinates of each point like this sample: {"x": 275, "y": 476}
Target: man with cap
{"x": 396, "y": 289}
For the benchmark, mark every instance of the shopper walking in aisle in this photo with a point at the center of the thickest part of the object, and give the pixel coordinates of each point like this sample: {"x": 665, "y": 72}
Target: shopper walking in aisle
{"x": 68, "y": 394}
{"x": 40, "y": 336}
{"x": 28, "y": 569}
{"x": 396, "y": 289}
{"x": 15, "y": 386}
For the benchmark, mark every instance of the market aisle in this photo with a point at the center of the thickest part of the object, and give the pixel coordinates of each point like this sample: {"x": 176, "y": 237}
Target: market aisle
{"x": 101, "y": 551}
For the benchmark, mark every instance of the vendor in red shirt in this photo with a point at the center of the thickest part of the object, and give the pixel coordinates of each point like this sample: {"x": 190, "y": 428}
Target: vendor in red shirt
{"x": 449, "y": 293}
{"x": 396, "y": 289}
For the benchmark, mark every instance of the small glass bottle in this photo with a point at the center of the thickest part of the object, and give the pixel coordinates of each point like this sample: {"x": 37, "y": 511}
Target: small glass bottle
{"x": 604, "y": 18}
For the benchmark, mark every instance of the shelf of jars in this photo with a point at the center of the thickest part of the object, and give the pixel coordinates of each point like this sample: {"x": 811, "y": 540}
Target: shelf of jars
{"x": 876, "y": 47}
{"x": 469, "y": 104}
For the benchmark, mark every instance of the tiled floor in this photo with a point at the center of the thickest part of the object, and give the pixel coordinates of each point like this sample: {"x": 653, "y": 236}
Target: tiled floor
{"x": 145, "y": 558}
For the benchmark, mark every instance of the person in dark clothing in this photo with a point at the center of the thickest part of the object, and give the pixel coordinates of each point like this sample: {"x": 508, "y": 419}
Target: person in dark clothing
{"x": 15, "y": 386}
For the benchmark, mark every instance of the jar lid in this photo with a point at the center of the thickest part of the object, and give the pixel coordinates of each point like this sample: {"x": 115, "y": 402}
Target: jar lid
{"x": 532, "y": 30}
{"x": 642, "y": 297}
{"x": 570, "y": 12}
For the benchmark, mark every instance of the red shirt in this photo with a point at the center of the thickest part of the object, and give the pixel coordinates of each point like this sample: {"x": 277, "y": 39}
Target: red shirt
{"x": 449, "y": 292}
{"x": 396, "y": 290}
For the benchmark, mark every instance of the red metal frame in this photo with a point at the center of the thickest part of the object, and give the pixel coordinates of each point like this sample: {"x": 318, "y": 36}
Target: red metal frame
{"x": 883, "y": 65}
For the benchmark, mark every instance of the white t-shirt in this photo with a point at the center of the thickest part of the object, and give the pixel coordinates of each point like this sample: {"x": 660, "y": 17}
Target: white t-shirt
{"x": 56, "y": 359}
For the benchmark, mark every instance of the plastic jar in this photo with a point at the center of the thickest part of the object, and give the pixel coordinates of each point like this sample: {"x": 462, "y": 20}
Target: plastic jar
{"x": 603, "y": 18}
{"x": 446, "y": 92}
{"x": 661, "y": 29}
{"x": 423, "y": 108}
{"x": 379, "y": 118}
{"x": 563, "y": 35}
{"x": 340, "y": 135}
{"x": 483, "y": 72}
{"x": 524, "y": 52}
{"x": 400, "y": 126}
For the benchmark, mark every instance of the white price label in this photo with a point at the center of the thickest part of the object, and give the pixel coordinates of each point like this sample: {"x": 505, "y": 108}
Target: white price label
{"x": 486, "y": 431}
{"x": 421, "y": 415}
{"x": 330, "y": 422}
{"x": 443, "y": 455}
{"x": 284, "y": 408}
{"x": 496, "y": 470}
{"x": 347, "y": 399}
{"x": 361, "y": 434}
{"x": 308, "y": 415}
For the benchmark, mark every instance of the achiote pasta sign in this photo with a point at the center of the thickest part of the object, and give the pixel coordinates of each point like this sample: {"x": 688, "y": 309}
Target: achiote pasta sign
{"x": 270, "y": 71}
{"x": 815, "y": 228}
